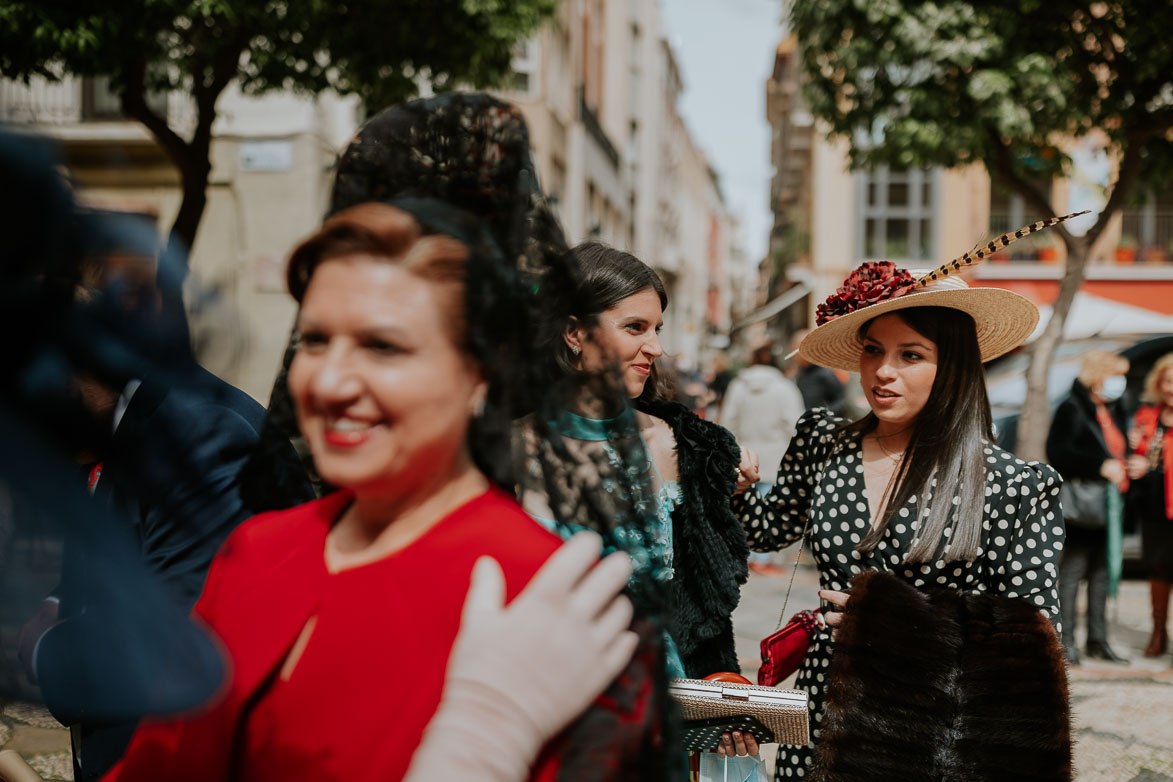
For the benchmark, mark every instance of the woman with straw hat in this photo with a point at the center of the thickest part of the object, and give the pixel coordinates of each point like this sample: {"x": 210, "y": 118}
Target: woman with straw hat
{"x": 916, "y": 489}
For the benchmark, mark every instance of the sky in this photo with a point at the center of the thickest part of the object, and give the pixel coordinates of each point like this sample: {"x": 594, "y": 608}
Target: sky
{"x": 725, "y": 49}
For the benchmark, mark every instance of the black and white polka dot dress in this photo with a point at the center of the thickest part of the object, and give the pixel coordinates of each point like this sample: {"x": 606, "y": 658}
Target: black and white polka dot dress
{"x": 1023, "y": 535}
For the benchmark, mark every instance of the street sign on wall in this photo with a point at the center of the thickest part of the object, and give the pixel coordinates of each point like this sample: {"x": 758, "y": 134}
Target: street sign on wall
{"x": 269, "y": 155}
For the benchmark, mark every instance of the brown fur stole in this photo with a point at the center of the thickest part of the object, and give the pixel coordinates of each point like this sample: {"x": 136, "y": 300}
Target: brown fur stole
{"x": 939, "y": 685}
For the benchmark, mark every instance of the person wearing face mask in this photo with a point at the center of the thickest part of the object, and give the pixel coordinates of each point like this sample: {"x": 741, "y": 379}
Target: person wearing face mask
{"x": 1086, "y": 444}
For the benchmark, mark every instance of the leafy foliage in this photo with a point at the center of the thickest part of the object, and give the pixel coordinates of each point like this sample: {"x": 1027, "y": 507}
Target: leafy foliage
{"x": 1007, "y": 83}
{"x": 374, "y": 48}
{"x": 380, "y": 50}
{"x": 1001, "y": 82}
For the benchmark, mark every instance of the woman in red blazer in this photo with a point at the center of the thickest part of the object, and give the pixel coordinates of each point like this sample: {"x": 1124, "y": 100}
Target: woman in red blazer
{"x": 339, "y": 616}
{"x": 1150, "y": 467}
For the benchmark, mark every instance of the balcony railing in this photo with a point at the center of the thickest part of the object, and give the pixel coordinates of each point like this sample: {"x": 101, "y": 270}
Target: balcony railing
{"x": 69, "y": 101}
{"x": 41, "y": 102}
{"x": 1146, "y": 236}
{"x": 595, "y": 130}
{"x": 1032, "y": 248}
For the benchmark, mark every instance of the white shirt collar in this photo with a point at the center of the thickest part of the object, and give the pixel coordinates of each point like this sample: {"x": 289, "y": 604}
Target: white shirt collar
{"x": 124, "y": 401}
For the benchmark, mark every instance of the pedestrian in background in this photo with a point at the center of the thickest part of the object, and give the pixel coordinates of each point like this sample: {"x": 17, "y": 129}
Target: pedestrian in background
{"x": 687, "y": 385}
{"x": 1151, "y": 470}
{"x": 819, "y": 386}
{"x": 1086, "y": 445}
{"x": 719, "y": 378}
{"x": 761, "y": 409}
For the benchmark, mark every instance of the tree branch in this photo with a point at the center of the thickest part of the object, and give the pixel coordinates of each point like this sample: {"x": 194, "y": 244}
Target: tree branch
{"x": 1004, "y": 165}
{"x": 208, "y": 86}
{"x": 1126, "y": 175}
{"x": 206, "y": 93}
{"x": 228, "y": 66}
{"x": 1156, "y": 123}
{"x": 134, "y": 105}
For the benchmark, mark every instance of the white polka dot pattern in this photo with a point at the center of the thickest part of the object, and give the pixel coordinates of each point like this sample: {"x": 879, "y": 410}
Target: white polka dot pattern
{"x": 1018, "y": 554}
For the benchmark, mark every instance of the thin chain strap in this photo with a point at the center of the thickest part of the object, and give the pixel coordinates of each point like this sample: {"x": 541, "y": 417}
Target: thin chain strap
{"x": 793, "y": 571}
{"x": 802, "y": 540}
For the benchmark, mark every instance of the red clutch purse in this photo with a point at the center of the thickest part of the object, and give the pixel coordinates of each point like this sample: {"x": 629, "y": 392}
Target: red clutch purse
{"x": 783, "y": 651}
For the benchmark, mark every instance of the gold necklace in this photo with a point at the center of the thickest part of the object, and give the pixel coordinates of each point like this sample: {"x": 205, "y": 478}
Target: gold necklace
{"x": 895, "y": 457}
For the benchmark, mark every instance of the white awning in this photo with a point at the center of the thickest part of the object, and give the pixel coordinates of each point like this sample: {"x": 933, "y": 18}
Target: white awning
{"x": 776, "y": 305}
{"x": 1092, "y": 316}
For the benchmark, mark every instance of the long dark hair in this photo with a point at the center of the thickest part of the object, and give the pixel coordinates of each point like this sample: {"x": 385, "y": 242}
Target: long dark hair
{"x": 946, "y": 450}
{"x": 608, "y": 277}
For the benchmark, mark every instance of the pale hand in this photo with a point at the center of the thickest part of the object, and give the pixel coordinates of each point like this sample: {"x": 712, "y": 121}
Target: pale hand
{"x": 1113, "y": 471}
{"x": 834, "y": 618}
{"x": 747, "y": 471}
{"x": 507, "y": 690}
{"x": 737, "y": 744}
{"x": 1138, "y": 467}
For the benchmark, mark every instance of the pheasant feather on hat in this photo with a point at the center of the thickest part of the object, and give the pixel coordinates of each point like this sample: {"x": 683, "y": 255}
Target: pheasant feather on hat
{"x": 1003, "y": 319}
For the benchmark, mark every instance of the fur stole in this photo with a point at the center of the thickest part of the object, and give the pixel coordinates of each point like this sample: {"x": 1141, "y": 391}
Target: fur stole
{"x": 939, "y": 685}
{"x": 709, "y": 546}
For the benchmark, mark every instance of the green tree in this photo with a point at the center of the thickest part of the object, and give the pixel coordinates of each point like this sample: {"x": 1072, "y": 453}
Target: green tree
{"x": 1004, "y": 83}
{"x": 380, "y": 50}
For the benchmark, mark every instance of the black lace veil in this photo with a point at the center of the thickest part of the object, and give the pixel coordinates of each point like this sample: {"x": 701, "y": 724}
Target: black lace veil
{"x": 461, "y": 165}
{"x": 463, "y": 156}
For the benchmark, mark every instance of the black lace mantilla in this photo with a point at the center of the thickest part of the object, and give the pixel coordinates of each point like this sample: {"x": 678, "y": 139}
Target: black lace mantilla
{"x": 471, "y": 153}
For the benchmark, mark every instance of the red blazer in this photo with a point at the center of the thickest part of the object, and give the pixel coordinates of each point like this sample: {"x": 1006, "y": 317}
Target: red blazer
{"x": 371, "y": 674}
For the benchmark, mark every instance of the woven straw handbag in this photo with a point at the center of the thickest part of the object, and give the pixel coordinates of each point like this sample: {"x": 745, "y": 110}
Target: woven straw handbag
{"x": 785, "y": 712}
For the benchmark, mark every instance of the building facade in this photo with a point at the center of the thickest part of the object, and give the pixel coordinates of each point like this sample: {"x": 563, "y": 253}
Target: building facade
{"x": 272, "y": 158}
{"x": 828, "y": 219}
{"x": 600, "y": 89}
{"x": 598, "y": 85}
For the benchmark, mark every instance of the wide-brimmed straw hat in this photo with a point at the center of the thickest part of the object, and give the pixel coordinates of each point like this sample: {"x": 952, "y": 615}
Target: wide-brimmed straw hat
{"x": 1003, "y": 318}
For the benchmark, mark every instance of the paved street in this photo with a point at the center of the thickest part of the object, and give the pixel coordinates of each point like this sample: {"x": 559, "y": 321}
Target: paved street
{"x": 1123, "y": 714}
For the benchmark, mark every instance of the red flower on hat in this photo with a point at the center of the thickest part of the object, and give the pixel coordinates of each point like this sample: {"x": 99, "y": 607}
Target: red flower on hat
{"x": 871, "y": 283}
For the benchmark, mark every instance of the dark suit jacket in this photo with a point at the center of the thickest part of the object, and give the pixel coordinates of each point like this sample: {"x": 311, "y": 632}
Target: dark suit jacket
{"x": 1075, "y": 443}
{"x": 1077, "y": 449}
{"x": 172, "y": 471}
{"x": 821, "y": 388}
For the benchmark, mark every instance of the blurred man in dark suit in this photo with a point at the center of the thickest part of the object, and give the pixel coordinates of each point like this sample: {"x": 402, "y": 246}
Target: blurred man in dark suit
{"x": 819, "y": 386}
{"x": 169, "y": 459}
